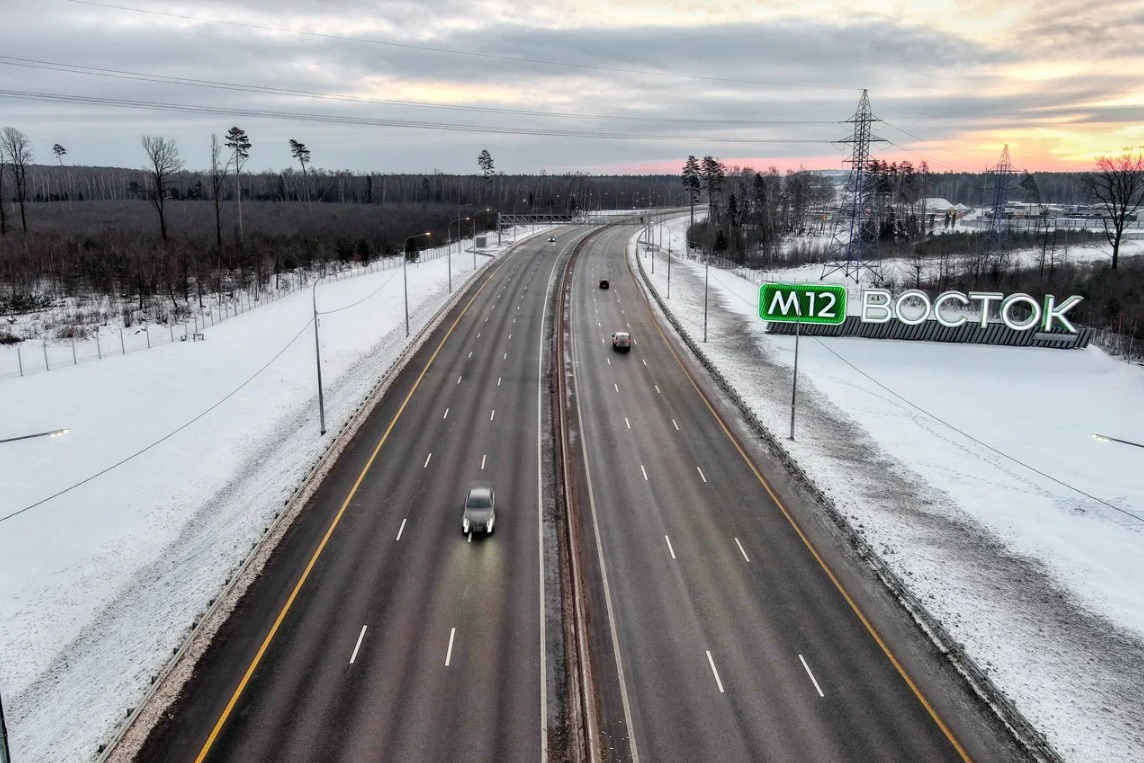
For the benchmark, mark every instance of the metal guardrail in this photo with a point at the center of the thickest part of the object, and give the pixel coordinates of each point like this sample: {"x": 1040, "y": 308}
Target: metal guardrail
{"x": 932, "y": 331}
{"x": 236, "y": 583}
{"x": 1023, "y": 731}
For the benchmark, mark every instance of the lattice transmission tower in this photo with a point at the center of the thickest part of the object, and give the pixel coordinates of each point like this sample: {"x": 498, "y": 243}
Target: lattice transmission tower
{"x": 855, "y": 250}
{"x": 993, "y": 246}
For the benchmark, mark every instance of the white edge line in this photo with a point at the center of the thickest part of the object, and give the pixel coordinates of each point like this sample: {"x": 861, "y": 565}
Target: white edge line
{"x": 715, "y": 672}
{"x": 449, "y": 654}
{"x": 814, "y": 680}
{"x": 741, "y": 551}
{"x": 357, "y": 646}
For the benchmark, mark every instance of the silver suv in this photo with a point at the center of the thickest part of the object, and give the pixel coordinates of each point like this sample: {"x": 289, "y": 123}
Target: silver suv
{"x": 480, "y": 511}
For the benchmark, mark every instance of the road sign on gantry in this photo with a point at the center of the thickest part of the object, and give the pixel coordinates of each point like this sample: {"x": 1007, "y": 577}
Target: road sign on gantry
{"x": 802, "y": 303}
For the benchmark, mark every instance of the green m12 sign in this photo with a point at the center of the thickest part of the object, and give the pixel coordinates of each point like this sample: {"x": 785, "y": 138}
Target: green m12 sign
{"x": 802, "y": 303}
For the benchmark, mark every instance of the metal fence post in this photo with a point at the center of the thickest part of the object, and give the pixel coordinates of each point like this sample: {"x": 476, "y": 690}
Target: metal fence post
{"x": 74, "y": 361}
{"x": 98, "y": 346}
{"x": 20, "y": 360}
{"x": 171, "y": 326}
{"x": 122, "y": 346}
{"x": 147, "y": 333}
{"x": 47, "y": 367}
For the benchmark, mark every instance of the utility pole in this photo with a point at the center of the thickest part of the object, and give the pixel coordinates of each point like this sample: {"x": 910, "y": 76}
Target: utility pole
{"x": 706, "y": 264}
{"x": 318, "y": 358}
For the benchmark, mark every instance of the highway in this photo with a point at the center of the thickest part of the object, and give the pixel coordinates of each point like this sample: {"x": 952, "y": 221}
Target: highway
{"x": 718, "y": 634}
{"x": 378, "y": 630}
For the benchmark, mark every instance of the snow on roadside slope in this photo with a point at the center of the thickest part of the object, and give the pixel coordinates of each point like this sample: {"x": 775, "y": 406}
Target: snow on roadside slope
{"x": 99, "y": 585}
{"x": 1039, "y": 582}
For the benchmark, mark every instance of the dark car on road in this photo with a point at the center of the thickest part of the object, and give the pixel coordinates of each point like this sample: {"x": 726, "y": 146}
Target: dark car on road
{"x": 480, "y": 511}
{"x": 621, "y": 341}
{"x": 604, "y": 283}
{"x": 552, "y": 239}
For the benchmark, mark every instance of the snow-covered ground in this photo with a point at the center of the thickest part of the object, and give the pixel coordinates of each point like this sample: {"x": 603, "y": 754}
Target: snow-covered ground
{"x": 114, "y": 537}
{"x": 980, "y": 484}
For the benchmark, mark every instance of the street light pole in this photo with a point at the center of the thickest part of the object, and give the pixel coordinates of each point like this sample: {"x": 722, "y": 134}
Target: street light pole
{"x": 486, "y": 209}
{"x": 794, "y": 383}
{"x": 449, "y": 255}
{"x": 706, "y": 262}
{"x": 404, "y": 277}
{"x": 318, "y": 359}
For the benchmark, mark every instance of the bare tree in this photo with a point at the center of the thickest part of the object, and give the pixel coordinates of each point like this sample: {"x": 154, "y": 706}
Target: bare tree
{"x": 18, "y": 149}
{"x": 1118, "y": 187}
{"x": 218, "y": 176}
{"x": 302, "y": 154}
{"x": 239, "y": 144}
{"x": 163, "y": 156}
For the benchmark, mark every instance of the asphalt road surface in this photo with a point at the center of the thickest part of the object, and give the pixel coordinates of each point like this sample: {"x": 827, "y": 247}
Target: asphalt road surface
{"x": 407, "y": 640}
{"x": 718, "y": 634}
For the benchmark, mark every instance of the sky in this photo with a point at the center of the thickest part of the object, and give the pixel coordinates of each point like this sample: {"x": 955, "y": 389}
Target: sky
{"x": 611, "y": 87}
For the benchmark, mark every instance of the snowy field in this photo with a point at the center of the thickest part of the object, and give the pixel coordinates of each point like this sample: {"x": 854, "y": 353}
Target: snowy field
{"x": 105, "y": 563}
{"x": 980, "y": 483}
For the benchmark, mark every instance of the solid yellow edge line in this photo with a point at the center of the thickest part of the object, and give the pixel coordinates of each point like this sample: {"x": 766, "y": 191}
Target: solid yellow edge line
{"x": 206, "y": 748}
{"x": 810, "y": 546}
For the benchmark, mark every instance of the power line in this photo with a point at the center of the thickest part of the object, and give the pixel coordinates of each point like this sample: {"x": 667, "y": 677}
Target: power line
{"x": 96, "y": 71}
{"x": 456, "y": 52}
{"x": 374, "y": 122}
{"x": 162, "y": 439}
{"x": 979, "y": 442}
{"x": 939, "y": 148}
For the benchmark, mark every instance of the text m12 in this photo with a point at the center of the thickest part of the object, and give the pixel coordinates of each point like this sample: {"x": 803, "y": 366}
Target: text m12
{"x": 802, "y": 303}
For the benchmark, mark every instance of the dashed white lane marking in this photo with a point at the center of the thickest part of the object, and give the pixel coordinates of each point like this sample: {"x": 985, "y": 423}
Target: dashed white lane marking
{"x": 627, "y": 422}
{"x": 486, "y": 319}
{"x": 498, "y": 381}
{"x": 715, "y": 672}
{"x": 478, "y": 335}
{"x": 459, "y": 379}
{"x": 675, "y": 425}
{"x": 669, "y": 548}
{"x": 701, "y": 474}
{"x": 493, "y": 414}
{"x": 510, "y": 336}
{"x": 505, "y": 356}
{"x": 644, "y": 472}
{"x": 617, "y": 386}
{"x": 603, "y": 340}
{"x": 599, "y": 324}
{"x": 741, "y": 551}
{"x": 452, "y": 634}
{"x": 657, "y": 390}
{"x": 400, "y": 529}
{"x": 357, "y": 646}
{"x": 514, "y": 320}
{"x": 483, "y": 457}
{"x": 446, "y": 414}
{"x": 644, "y": 361}
{"x": 470, "y": 354}
{"x": 427, "y": 460}
{"x": 812, "y": 678}
{"x": 609, "y": 361}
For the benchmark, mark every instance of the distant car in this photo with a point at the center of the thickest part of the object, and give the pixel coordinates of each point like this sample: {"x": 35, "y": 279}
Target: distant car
{"x": 552, "y": 239}
{"x": 604, "y": 283}
{"x": 480, "y": 511}
{"x": 621, "y": 341}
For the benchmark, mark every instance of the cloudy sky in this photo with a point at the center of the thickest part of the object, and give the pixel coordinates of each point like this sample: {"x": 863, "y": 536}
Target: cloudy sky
{"x": 599, "y": 86}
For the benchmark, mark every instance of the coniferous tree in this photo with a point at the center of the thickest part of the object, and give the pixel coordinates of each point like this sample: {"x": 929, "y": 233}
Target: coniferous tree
{"x": 302, "y": 154}
{"x": 691, "y": 183}
{"x": 485, "y": 162}
{"x": 239, "y": 144}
